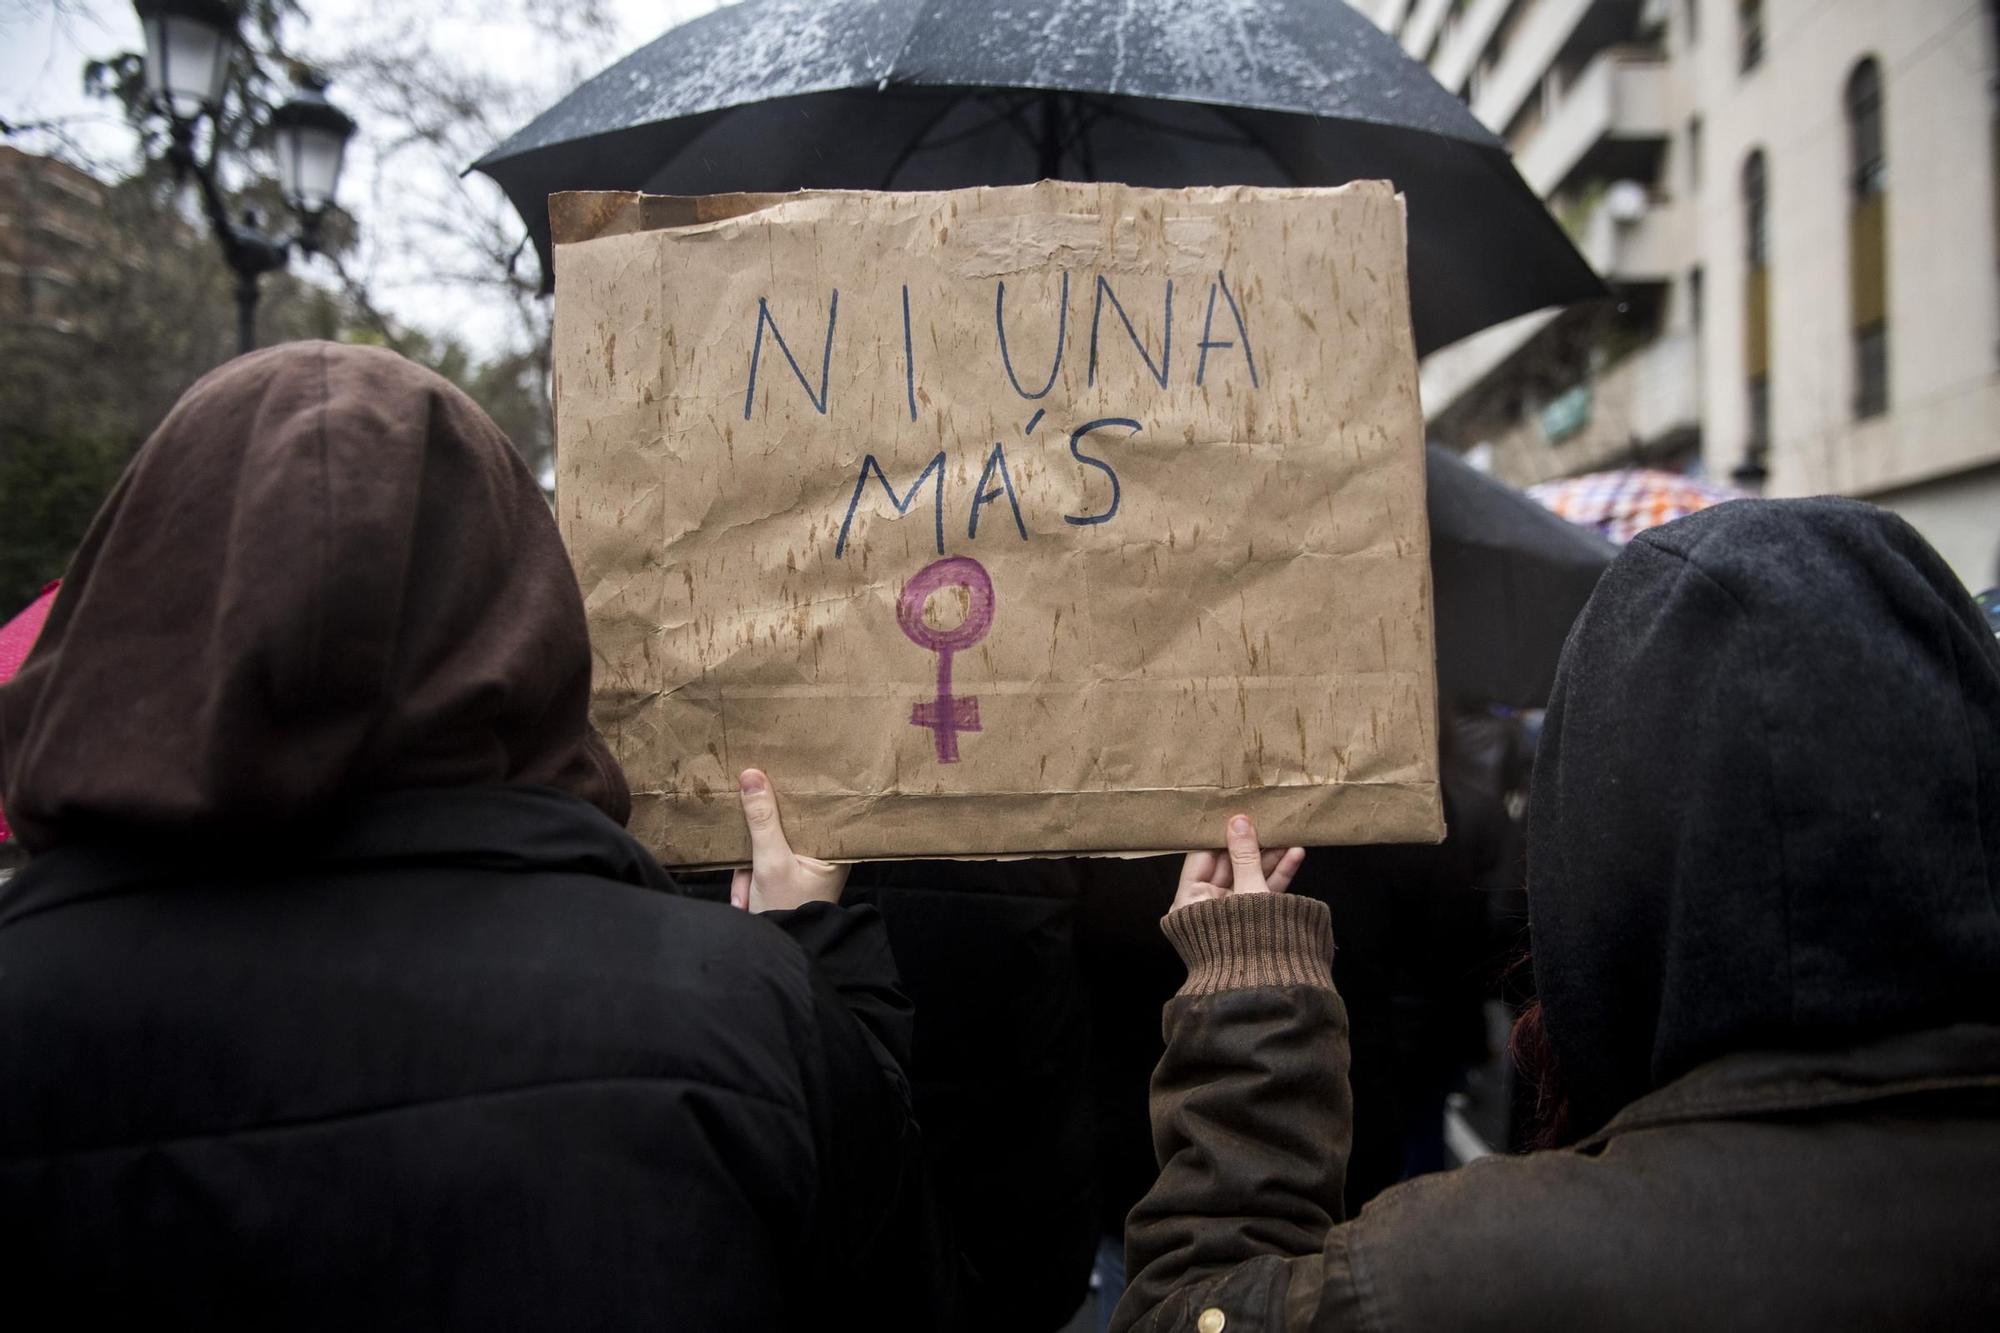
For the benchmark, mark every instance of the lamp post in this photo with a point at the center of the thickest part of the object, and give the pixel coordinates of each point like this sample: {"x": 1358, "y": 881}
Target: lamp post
{"x": 189, "y": 44}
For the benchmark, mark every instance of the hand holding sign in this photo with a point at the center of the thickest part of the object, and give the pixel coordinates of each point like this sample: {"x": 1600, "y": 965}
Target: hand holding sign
{"x": 778, "y": 878}
{"x": 1245, "y": 867}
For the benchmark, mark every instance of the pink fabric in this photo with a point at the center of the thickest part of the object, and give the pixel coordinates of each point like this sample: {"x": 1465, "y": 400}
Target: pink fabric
{"x": 17, "y": 639}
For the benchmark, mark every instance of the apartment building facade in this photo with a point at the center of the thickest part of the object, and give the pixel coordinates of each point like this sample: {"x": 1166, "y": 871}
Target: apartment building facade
{"x": 1797, "y": 203}
{"x": 48, "y": 232}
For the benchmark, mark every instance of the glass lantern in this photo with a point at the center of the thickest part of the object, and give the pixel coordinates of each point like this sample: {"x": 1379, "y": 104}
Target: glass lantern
{"x": 188, "y": 45}
{"x": 309, "y": 135}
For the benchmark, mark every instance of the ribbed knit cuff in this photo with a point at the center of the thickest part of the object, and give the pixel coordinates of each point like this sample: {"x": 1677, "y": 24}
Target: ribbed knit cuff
{"x": 1253, "y": 939}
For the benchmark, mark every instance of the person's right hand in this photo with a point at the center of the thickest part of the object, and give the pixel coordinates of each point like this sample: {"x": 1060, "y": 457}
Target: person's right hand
{"x": 778, "y": 877}
{"x": 1243, "y": 868}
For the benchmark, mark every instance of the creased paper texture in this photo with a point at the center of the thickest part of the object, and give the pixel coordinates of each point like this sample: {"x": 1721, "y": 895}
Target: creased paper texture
{"x": 1046, "y": 519}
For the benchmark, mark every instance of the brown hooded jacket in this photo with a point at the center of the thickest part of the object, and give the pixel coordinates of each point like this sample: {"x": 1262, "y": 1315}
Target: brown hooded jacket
{"x": 325, "y": 573}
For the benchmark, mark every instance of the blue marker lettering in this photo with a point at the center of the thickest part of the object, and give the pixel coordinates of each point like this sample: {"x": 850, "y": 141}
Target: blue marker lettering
{"x": 1086, "y": 428}
{"x": 902, "y": 503}
{"x": 764, "y": 321}
{"x": 997, "y": 460}
{"x": 1062, "y": 330}
{"x": 1221, "y": 284}
{"x": 1159, "y": 372}
{"x": 909, "y": 357}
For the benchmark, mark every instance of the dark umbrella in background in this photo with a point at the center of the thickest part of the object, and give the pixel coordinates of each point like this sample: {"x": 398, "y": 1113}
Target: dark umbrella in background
{"x": 772, "y": 95}
{"x": 1508, "y": 577}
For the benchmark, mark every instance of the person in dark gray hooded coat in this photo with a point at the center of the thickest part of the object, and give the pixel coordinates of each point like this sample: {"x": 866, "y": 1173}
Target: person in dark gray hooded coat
{"x": 1764, "y": 884}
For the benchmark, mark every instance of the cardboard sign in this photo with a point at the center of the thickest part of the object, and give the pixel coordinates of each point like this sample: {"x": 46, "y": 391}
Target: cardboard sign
{"x": 1042, "y": 520}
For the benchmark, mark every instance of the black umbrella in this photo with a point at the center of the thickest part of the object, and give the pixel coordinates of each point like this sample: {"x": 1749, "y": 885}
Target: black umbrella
{"x": 771, "y": 95}
{"x": 1507, "y": 582}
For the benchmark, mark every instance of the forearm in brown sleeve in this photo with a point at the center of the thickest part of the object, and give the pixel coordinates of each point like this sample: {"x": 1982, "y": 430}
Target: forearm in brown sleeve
{"x": 1251, "y": 1122}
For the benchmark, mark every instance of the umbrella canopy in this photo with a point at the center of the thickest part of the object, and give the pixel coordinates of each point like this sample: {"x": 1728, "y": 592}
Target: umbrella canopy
{"x": 1623, "y": 504}
{"x": 773, "y": 95}
{"x": 17, "y": 640}
{"x": 1508, "y": 578}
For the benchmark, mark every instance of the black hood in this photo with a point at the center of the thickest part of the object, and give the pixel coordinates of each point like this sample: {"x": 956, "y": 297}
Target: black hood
{"x": 1766, "y": 808}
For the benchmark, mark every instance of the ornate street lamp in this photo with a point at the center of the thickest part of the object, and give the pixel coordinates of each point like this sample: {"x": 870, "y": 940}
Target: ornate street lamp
{"x": 187, "y": 55}
{"x": 189, "y": 44}
{"x": 311, "y": 137}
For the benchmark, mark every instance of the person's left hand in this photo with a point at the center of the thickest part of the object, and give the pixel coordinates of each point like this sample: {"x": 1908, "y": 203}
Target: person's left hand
{"x": 1243, "y": 868}
{"x": 778, "y": 877}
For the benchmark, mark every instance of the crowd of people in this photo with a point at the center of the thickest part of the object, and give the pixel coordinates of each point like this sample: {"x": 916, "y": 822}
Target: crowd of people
{"x": 334, "y": 993}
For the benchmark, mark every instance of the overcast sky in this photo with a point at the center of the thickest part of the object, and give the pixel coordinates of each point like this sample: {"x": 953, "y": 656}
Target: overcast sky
{"x": 43, "y": 47}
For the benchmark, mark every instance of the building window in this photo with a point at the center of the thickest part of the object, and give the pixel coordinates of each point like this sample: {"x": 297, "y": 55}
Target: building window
{"x": 1864, "y": 130}
{"x": 1449, "y": 28}
{"x": 1756, "y": 212}
{"x": 1756, "y": 318}
{"x": 1691, "y": 20}
{"x": 1993, "y": 113}
{"x": 1871, "y": 371}
{"x": 1695, "y": 299}
{"x": 1867, "y": 237}
{"x": 1528, "y": 119}
{"x": 1694, "y": 153}
{"x": 1750, "y": 32}
{"x": 1757, "y": 418}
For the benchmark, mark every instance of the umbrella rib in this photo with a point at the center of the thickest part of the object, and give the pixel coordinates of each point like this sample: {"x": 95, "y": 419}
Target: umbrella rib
{"x": 973, "y": 131}
{"x": 1258, "y": 141}
{"x": 917, "y": 144}
{"x": 1242, "y": 137}
{"x": 1084, "y": 150}
{"x": 1094, "y": 110}
{"x": 1234, "y": 115}
{"x": 1013, "y": 115}
{"x": 903, "y": 48}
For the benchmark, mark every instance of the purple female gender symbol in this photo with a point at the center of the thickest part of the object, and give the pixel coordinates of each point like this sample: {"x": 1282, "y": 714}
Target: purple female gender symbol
{"x": 947, "y": 715}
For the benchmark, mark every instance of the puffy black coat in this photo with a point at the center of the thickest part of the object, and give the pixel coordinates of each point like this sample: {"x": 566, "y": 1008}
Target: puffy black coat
{"x": 987, "y": 953}
{"x": 458, "y": 1058}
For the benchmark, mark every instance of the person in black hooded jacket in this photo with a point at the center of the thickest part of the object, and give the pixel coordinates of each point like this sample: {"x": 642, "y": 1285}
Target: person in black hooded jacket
{"x": 336, "y": 995}
{"x": 1764, "y": 889}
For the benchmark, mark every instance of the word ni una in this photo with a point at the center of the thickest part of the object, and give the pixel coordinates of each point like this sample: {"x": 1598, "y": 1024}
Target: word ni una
{"x": 1221, "y": 300}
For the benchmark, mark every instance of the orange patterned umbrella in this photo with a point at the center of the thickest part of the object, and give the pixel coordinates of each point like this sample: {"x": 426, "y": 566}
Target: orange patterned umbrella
{"x": 1623, "y": 504}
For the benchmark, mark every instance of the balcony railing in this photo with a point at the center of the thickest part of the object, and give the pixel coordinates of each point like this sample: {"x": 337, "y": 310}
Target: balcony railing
{"x": 1538, "y": 35}
{"x": 1449, "y": 372}
{"x": 1635, "y": 243}
{"x": 1619, "y": 95}
{"x": 1464, "y": 42}
{"x": 1648, "y": 399}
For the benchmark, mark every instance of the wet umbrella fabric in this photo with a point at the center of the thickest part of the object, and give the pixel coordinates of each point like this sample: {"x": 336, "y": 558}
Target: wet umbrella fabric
{"x": 772, "y": 95}
{"x": 1509, "y": 578}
